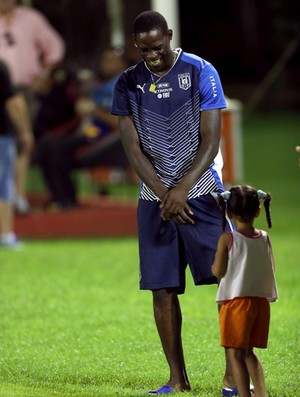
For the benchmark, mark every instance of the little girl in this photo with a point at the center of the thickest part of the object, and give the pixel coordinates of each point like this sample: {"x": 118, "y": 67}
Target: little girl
{"x": 244, "y": 266}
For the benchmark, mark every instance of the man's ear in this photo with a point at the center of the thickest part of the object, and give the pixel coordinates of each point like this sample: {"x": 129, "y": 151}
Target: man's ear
{"x": 170, "y": 34}
{"x": 257, "y": 213}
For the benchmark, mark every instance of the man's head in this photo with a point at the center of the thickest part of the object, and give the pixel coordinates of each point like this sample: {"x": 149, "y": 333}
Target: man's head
{"x": 149, "y": 20}
{"x": 152, "y": 37}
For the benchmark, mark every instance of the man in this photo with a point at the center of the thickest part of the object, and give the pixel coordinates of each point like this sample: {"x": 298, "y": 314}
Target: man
{"x": 13, "y": 113}
{"x": 30, "y": 47}
{"x": 169, "y": 108}
{"x": 88, "y": 145}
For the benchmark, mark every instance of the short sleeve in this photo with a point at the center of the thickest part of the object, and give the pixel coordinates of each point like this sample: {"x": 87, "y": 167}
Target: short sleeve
{"x": 211, "y": 90}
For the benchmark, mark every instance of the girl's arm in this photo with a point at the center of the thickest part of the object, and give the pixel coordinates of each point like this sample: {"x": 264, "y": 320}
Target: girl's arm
{"x": 271, "y": 252}
{"x": 219, "y": 266}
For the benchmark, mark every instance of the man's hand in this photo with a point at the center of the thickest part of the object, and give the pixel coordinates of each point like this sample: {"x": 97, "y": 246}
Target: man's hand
{"x": 174, "y": 206}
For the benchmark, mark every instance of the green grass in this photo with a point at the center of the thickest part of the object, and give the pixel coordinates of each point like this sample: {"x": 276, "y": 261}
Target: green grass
{"x": 73, "y": 322}
{"x": 271, "y": 163}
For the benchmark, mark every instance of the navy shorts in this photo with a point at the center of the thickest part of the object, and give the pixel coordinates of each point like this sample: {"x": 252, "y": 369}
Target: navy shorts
{"x": 167, "y": 248}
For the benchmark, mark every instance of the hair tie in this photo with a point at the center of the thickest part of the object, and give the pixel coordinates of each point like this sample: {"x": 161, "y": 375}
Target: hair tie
{"x": 261, "y": 195}
{"x": 226, "y": 195}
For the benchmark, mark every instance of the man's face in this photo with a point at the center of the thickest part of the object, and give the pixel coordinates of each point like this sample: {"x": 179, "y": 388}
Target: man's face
{"x": 154, "y": 47}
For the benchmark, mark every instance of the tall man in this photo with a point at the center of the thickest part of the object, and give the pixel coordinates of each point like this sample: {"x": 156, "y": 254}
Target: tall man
{"x": 169, "y": 108}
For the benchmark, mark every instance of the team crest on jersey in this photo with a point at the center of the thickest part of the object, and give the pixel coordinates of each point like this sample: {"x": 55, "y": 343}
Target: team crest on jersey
{"x": 184, "y": 80}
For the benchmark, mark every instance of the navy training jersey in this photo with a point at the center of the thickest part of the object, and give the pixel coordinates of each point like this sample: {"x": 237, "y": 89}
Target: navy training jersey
{"x": 166, "y": 112}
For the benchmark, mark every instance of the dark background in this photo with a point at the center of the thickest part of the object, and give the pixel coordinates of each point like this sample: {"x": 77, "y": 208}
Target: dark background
{"x": 254, "y": 44}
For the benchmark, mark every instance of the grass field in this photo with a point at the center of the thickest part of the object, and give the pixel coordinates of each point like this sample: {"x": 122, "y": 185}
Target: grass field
{"x": 73, "y": 322}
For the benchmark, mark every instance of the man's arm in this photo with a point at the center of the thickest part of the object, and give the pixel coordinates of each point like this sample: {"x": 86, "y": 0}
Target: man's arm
{"x": 174, "y": 203}
{"x": 139, "y": 162}
{"x": 51, "y": 45}
{"x": 210, "y": 132}
{"x": 18, "y": 112}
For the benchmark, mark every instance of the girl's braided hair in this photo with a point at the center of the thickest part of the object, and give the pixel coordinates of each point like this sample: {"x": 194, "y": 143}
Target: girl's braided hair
{"x": 244, "y": 202}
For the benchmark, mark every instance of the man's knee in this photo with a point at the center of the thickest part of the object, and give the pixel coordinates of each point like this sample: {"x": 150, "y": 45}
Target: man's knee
{"x": 164, "y": 296}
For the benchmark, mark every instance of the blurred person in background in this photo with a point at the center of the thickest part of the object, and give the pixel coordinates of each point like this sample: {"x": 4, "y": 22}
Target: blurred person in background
{"x": 15, "y": 127}
{"x": 56, "y": 115}
{"x": 30, "y": 47}
{"x": 56, "y": 118}
{"x": 83, "y": 147}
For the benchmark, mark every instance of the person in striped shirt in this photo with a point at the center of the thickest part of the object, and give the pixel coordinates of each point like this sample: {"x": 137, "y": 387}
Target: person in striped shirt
{"x": 169, "y": 106}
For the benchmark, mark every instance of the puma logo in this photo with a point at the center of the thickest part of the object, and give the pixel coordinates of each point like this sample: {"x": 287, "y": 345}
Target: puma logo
{"x": 141, "y": 87}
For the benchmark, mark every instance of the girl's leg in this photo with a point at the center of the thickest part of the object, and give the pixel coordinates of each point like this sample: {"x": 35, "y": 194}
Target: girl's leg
{"x": 256, "y": 373}
{"x": 240, "y": 371}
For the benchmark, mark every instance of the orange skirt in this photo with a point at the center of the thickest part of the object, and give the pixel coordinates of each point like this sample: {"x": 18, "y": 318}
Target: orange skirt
{"x": 244, "y": 322}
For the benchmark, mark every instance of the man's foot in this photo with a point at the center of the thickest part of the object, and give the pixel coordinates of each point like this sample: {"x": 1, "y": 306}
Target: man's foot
{"x": 165, "y": 389}
{"x": 22, "y": 206}
{"x": 10, "y": 241}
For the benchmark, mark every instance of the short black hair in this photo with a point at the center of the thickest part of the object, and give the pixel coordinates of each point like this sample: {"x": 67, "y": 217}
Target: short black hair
{"x": 148, "y": 21}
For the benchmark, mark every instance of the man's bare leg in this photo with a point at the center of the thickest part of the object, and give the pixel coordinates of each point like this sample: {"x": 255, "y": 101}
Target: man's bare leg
{"x": 167, "y": 314}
